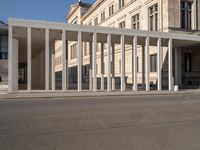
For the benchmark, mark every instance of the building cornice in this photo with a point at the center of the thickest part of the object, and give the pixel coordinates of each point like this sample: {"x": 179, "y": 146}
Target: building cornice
{"x": 92, "y": 8}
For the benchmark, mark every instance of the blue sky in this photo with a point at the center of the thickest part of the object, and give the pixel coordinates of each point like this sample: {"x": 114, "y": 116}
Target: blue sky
{"x": 51, "y": 10}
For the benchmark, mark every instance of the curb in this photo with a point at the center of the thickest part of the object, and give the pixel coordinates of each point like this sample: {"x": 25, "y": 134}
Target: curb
{"x": 91, "y": 94}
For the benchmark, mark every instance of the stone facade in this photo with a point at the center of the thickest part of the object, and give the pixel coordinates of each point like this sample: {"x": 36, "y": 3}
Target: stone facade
{"x": 168, "y": 20}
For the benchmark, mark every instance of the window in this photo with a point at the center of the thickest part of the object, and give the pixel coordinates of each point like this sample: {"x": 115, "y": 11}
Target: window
{"x": 153, "y": 63}
{"x": 153, "y": 18}
{"x": 3, "y": 47}
{"x": 73, "y": 51}
{"x": 136, "y": 22}
{"x": 121, "y": 4}
{"x": 111, "y": 10}
{"x": 90, "y": 23}
{"x": 188, "y": 62}
{"x": 103, "y": 16}
{"x": 122, "y": 24}
{"x": 186, "y": 13}
{"x": 96, "y": 21}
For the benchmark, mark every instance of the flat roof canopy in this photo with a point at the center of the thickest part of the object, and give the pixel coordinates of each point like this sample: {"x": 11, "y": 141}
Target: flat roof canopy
{"x": 38, "y": 33}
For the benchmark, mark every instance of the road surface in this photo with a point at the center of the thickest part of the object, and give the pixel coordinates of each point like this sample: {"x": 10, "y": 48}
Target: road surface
{"x": 101, "y": 123}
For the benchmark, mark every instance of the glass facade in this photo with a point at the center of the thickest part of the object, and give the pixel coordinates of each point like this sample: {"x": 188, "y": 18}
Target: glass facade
{"x": 3, "y": 47}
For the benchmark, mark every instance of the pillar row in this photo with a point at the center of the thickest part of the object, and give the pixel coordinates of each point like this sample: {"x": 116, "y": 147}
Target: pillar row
{"x": 79, "y": 60}
{"x": 159, "y": 65}
{"x": 113, "y": 66}
{"x": 94, "y": 62}
{"x": 63, "y": 60}
{"x": 135, "y": 63}
{"x": 102, "y": 66}
{"x": 122, "y": 63}
{"x": 170, "y": 82}
{"x": 47, "y": 59}
{"x": 147, "y": 64}
{"x": 29, "y": 60}
{"x": 108, "y": 63}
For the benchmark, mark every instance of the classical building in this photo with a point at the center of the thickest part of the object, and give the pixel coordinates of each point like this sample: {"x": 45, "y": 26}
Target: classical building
{"x": 155, "y": 15}
{"x": 3, "y": 53}
{"x": 109, "y": 45}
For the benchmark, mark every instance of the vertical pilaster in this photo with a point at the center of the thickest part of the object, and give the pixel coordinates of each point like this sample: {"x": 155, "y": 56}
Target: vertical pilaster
{"x": 122, "y": 63}
{"x": 63, "y": 60}
{"x": 147, "y": 64}
{"x": 159, "y": 68}
{"x": 47, "y": 59}
{"x": 10, "y": 58}
{"x": 53, "y": 70}
{"x": 170, "y": 64}
{"x": 102, "y": 66}
{"x": 12, "y": 61}
{"x": 29, "y": 59}
{"x": 67, "y": 71}
{"x": 94, "y": 62}
{"x": 113, "y": 66}
{"x": 135, "y": 88}
{"x": 79, "y": 59}
{"x": 108, "y": 63}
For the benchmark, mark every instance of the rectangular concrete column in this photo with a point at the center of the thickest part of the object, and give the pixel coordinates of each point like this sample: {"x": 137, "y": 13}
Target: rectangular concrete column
{"x": 63, "y": 60}
{"x": 53, "y": 70}
{"x": 159, "y": 64}
{"x": 102, "y": 66}
{"x": 170, "y": 65}
{"x": 108, "y": 63}
{"x": 147, "y": 64}
{"x": 79, "y": 60}
{"x": 135, "y": 88}
{"x": 12, "y": 61}
{"x": 113, "y": 66}
{"x": 94, "y": 62}
{"x": 143, "y": 67}
{"x": 47, "y": 59}
{"x": 122, "y": 63}
{"x": 29, "y": 56}
{"x": 67, "y": 72}
{"x": 90, "y": 70}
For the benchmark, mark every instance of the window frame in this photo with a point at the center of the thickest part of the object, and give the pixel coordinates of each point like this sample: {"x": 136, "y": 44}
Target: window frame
{"x": 103, "y": 15}
{"x": 153, "y": 17}
{"x": 111, "y": 9}
{"x": 186, "y": 14}
{"x": 122, "y": 24}
{"x": 136, "y": 21}
{"x": 121, "y": 4}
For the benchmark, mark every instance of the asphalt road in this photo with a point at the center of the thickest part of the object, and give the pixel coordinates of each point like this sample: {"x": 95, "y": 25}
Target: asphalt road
{"x": 101, "y": 123}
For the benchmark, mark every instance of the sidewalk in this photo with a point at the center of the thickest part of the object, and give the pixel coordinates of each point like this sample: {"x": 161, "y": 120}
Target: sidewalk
{"x": 68, "y": 94}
